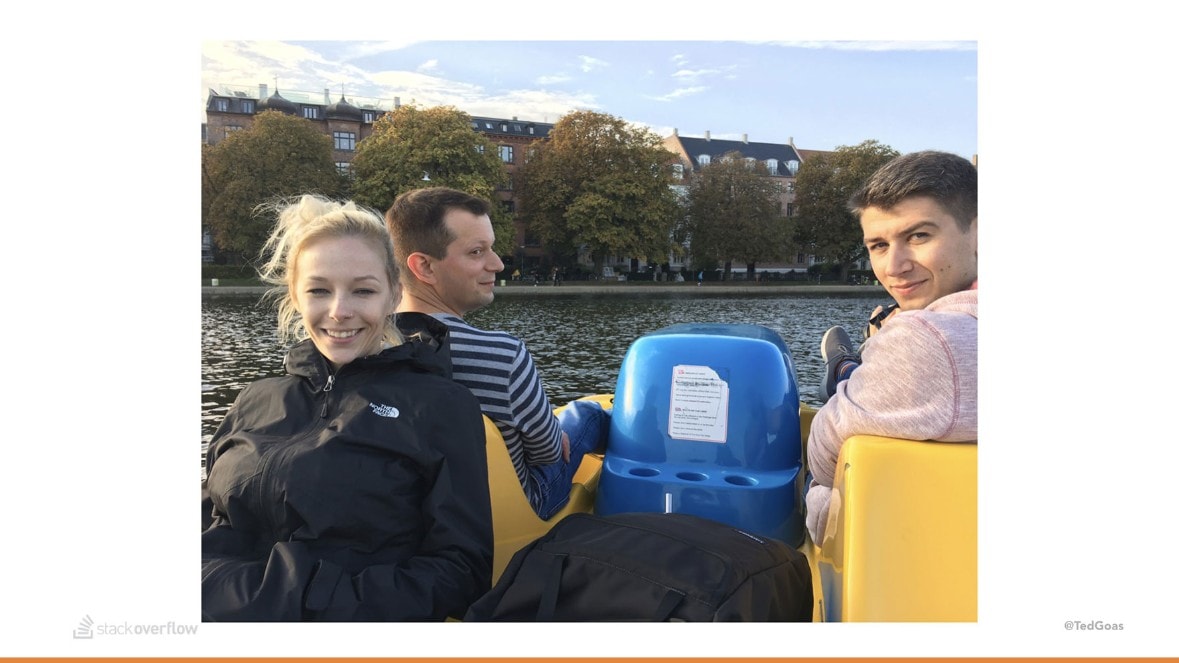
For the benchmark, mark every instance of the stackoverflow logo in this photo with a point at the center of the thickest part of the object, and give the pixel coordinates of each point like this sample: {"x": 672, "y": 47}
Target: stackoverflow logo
{"x": 83, "y": 631}
{"x": 87, "y": 629}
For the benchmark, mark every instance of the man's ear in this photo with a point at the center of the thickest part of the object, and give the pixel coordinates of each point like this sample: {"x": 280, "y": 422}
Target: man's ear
{"x": 422, "y": 267}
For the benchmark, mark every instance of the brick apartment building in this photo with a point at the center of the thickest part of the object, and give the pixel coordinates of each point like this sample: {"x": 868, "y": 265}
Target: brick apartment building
{"x": 232, "y": 108}
{"x": 781, "y": 160}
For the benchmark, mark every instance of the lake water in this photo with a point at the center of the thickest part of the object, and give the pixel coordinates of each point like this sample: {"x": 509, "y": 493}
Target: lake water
{"x": 577, "y": 341}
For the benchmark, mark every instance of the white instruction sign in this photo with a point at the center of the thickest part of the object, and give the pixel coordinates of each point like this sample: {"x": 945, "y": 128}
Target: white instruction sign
{"x": 699, "y": 405}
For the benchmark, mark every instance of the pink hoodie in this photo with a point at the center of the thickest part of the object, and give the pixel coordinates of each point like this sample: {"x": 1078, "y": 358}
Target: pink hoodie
{"x": 918, "y": 381}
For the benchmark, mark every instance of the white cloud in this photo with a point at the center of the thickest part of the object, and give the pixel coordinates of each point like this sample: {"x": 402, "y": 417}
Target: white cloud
{"x": 883, "y": 45}
{"x": 428, "y": 65}
{"x": 532, "y": 105}
{"x": 693, "y": 74}
{"x": 679, "y": 94}
{"x": 362, "y": 49}
{"x": 588, "y": 63}
{"x": 553, "y": 79}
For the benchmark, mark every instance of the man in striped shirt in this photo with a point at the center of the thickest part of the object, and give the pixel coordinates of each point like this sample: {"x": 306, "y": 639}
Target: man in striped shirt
{"x": 443, "y": 239}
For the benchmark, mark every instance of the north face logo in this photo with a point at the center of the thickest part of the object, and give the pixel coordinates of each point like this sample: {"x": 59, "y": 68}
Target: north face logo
{"x": 384, "y": 410}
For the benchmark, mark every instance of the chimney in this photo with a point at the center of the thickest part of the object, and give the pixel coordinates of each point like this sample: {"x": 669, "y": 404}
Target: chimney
{"x": 396, "y": 103}
{"x": 675, "y": 132}
{"x": 327, "y": 97}
{"x": 790, "y": 140}
{"x": 707, "y": 135}
{"x": 514, "y": 118}
{"x": 263, "y": 93}
{"x": 745, "y": 138}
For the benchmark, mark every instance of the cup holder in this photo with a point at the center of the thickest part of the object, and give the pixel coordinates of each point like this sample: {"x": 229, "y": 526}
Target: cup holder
{"x": 739, "y": 480}
{"x": 644, "y": 471}
{"x": 691, "y": 476}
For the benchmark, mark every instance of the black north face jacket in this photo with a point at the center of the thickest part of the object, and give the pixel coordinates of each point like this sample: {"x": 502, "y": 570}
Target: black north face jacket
{"x": 358, "y": 496}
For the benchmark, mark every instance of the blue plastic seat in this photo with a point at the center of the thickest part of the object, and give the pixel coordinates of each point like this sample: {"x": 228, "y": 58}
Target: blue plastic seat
{"x": 706, "y": 422}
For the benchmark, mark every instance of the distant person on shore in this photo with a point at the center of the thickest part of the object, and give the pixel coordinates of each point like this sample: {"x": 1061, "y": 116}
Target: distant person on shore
{"x": 443, "y": 241}
{"x": 918, "y": 377}
{"x": 354, "y": 488}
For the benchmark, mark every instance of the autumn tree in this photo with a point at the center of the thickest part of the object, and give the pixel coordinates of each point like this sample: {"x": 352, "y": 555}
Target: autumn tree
{"x": 277, "y": 156}
{"x": 824, "y": 183}
{"x": 410, "y": 144}
{"x": 598, "y": 183}
{"x": 734, "y": 213}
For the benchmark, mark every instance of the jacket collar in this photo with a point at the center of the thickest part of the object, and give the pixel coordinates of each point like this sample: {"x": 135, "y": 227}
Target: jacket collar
{"x": 426, "y": 349}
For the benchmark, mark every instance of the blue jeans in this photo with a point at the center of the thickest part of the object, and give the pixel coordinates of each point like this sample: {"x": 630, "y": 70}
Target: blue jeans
{"x": 587, "y": 425}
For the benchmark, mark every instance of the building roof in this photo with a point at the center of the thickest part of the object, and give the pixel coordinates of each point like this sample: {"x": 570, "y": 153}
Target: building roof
{"x": 343, "y": 110}
{"x": 279, "y": 103}
{"x": 809, "y": 154}
{"x": 303, "y": 98}
{"x": 511, "y": 127}
{"x": 716, "y": 148}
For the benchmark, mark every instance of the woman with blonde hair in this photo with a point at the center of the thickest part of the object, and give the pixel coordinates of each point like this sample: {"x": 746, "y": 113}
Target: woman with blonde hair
{"x": 354, "y": 488}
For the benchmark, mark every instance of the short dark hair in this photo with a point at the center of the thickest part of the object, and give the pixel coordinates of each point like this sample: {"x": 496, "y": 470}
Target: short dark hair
{"x": 415, "y": 220}
{"x": 947, "y": 178}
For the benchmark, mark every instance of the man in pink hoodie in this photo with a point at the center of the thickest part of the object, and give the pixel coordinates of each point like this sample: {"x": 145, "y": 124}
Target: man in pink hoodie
{"x": 918, "y": 377}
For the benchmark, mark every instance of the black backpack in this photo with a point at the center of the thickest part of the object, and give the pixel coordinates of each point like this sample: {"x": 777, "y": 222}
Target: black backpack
{"x": 650, "y": 567}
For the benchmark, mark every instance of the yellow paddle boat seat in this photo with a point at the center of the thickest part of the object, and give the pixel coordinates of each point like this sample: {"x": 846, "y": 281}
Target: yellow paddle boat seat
{"x": 514, "y": 522}
{"x": 901, "y": 542}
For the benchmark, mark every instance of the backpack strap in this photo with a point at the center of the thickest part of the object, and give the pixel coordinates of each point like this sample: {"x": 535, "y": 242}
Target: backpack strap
{"x": 552, "y": 588}
{"x": 547, "y": 606}
{"x": 668, "y": 605}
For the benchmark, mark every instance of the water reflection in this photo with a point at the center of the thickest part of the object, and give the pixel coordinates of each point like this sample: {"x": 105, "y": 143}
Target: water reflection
{"x": 578, "y": 341}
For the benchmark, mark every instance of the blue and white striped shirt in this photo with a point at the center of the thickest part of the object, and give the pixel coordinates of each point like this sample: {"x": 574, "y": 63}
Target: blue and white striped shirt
{"x": 498, "y": 369}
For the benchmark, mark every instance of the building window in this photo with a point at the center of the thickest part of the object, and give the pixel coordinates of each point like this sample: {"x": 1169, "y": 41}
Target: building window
{"x": 504, "y": 127}
{"x": 345, "y": 140}
{"x": 704, "y": 159}
{"x": 510, "y": 184}
{"x": 221, "y": 105}
{"x": 344, "y": 168}
{"x": 479, "y": 149}
{"x": 790, "y": 186}
{"x": 505, "y": 153}
{"x": 531, "y": 130}
{"x": 750, "y": 163}
{"x": 311, "y": 112}
{"x": 369, "y": 117}
{"x": 677, "y": 171}
{"x": 772, "y": 166}
{"x": 247, "y": 105}
{"x": 792, "y": 166}
{"x": 789, "y": 209}
{"x": 230, "y": 129}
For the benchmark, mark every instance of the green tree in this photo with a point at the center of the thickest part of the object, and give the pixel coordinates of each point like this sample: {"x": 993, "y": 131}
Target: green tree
{"x": 602, "y": 184}
{"x": 734, "y": 213}
{"x": 278, "y": 156}
{"x": 410, "y": 144}
{"x": 826, "y": 229}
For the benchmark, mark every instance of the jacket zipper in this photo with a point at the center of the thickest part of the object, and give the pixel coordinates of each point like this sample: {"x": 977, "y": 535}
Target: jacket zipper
{"x": 331, "y": 382}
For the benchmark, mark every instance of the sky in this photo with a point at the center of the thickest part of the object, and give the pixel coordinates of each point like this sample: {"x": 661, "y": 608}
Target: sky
{"x": 1072, "y": 123}
{"x": 911, "y": 95}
